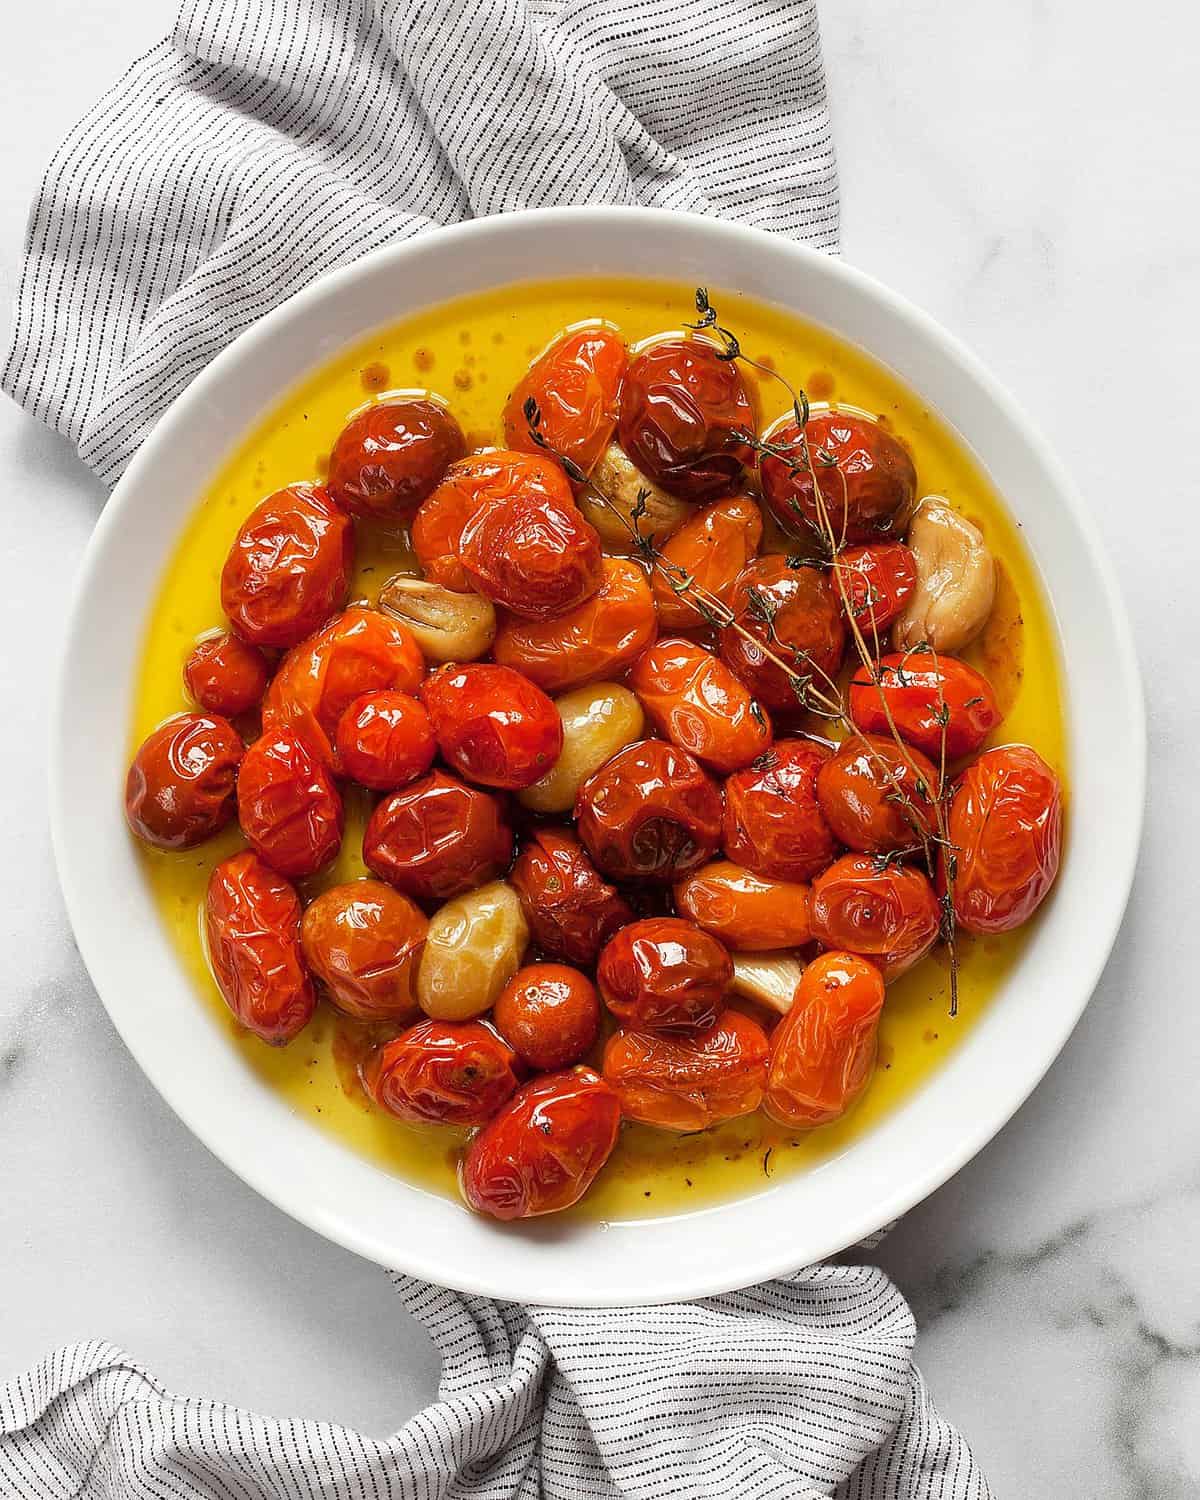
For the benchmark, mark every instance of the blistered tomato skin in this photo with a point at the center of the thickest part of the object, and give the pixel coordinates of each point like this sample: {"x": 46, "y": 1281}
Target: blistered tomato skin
{"x": 363, "y": 940}
{"x": 687, "y": 1083}
{"x": 745, "y": 912}
{"x": 542, "y": 1152}
{"x": 867, "y": 489}
{"x": 442, "y": 1073}
{"x": 712, "y": 547}
{"x": 886, "y": 912}
{"x": 823, "y": 1051}
{"x": 1006, "y": 822}
{"x": 252, "y": 933}
{"x": 684, "y": 411}
{"x": 531, "y": 556}
{"x": 792, "y": 613}
{"x": 226, "y": 676}
{"x": 180, "y": 789}
{"x": 288, "y": 806}
{"x": 921, "y": 688}
{"x": 437, "y": 838}
{"x": 391, "y": 455}
{"x": 384, "y": 740}
{"x": 576, "y": 385}
{"x": 692, "y": 698}
{"x": 664, "y": 974}
{"x": 571, "y": 909}
{"x": 493, "y": 725}
{"x": 289, "y": 567}
{"x": 878, "y": 580}
{"x": 650, "y": 813}
{"x": 549, "y": 1015}
{"x": 876, "y": 796}
{"x": 772, "y": 823}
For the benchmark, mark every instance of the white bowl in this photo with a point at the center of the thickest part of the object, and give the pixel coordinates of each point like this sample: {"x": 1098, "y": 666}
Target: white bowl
{"x": 313, "y": 1177}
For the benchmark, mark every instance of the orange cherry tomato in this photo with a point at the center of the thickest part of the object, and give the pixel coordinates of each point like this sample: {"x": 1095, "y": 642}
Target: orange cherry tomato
{"x": 688, "y": 1083}
{"x": 363, "y": 941}
{"x": 180, "y": 788}
{"x": 288, "y": 806}
{"x": 549, "y": 1015}
{"x": 289, "y": 567}
{"x": 878, "y": 579}
{"x": 823, "y": 1051}
{"x": 1005, "y": 824}
{"x": 664, "y": 974}
{"x": 571, "y": 909}
{"x": 531, "y": 556}
{"x": 595, "y": 641}
{"x": 711, "y": 547}
{"x": 877, "y": 797}
{"x": 866, "y": 478}
{"x": 684, "y": 413}
{"x": 493, "y": 725}
{"x": 650, "y": 813}
{"x": 543, "y": 1150}
{"x": 927, "y": 695}
{"x": 693, "y": 698}
{"x": 792, "y": 612}
{"x": 385, "y": 740}
{"x": 772, "y": 822}
{"x": 747, "y": 913}
{"x": 252, "y": 931}
{"x": 225, "y": 675}
{"x": 881, "y": 910}
{"x": 391, "y": 455}
{"x": 576, "y": 385}
{"x": 437, "y": 838}
{"x": 442, "y": 1073}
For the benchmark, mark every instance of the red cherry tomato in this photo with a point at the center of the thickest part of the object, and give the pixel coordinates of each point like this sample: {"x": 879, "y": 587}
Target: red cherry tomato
{"x": 866, "y": 478}
{"x": 883, "y": 911}
{"x": 684, "y": 413}
{"x": 792, "y": 612}
{"x": 711, "y": 547}
{"x": 391, "y": 455}
{"x": 252, "y": 930}
{"x": 549, "y": 1015}
{"x": 1005, "y": 824}
{"x": 688, "y": 1083}
{"x": 692, "y": 698}
{"x": 772, "y": 822}
{"x": 571, "y": 909}
{"x": 878, "y": 580}
{"x": 363, "y": 941}
{"x": 543, "y": 1150}
{"x": 877, "y": 797}
{"x": 492, "y": 725}
{"x": 576, "y": 385}
{"x": 664, "y": 974}
{"x": 442, "y": 1073}
{"x": 437, "y": 838}
{"x": 921, "y": 689}
{"x": 531, "y": 556}
{"x": 385, "y": 740}
{"x": 288, "y": 806}
{"x": 289, "y": 567}
{"x": 225, "y": 675}
{"x": 823, "y": 1051}
{"x": 747, "y": 913}
{"x": 180, "y": 787}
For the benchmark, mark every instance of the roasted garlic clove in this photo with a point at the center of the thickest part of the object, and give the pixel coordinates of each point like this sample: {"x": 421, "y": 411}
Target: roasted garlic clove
{"x": 956, "y": 580}
{"x": 618, "y": 481}
{"x": 473, "y": 947}
{"x": 597, "y": 721}
{"x": 448, "y": 626}
{"x": 769, "y": 978}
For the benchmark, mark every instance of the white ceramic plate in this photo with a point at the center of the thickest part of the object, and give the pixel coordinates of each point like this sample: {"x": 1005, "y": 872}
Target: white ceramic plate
{"x": 313, "y": 1177}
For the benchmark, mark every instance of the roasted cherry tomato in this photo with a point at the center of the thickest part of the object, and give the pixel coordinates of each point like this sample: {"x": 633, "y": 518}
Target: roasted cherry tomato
{"x": 649, "y": 813}
{"x": 876, "y": 796}
{"x": 878, "y": 580}
{"x": 362, "y": 651}
{"x": 180, "y": 787}
{"x": 772, "y": 822}
{"x": 543, "y": 1150}
{"x": 866, "y": 479}
{"x": 391, "y": 455}
{"x": 385, "y": 740}
{"x": 492, "y": 725}
{"x": 664, "y": 974}
{"x": 747, "y": 913}
{"x": 711, "y": 547}
{"x": 693, "y": 698}
{"x": 225, "y": 675}
{"x": 549, "y": 1015}
{"x": 532, "y": 556}
{"x": 823, "y": 1051}
{"x": 443, "y": 1073}
{"x": 684, "y": 413}
{"x": 252, "y": 932}
{"x": 288, "y": 806}
{"x": 881, "y": 910}
{"x": 436, "y": 838}
{"x": 571, "y": 909}
{"x": 1005, "y": 825}
{"x": 792, "y": 613}
{"x": 289, "y": 567}
{"x": 929, "y": 696}
{"x": 689, "y": 1083}
{"x": 598, "y": 639}
{"x": 576, "y": 388}
{"x": 363, "y": 940}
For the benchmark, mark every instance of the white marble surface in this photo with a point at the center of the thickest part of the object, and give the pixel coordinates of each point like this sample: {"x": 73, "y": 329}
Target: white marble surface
{"x": 1026, "y": 172}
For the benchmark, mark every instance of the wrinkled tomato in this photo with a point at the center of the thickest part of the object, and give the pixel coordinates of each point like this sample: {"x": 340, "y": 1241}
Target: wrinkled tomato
{"x": 493, "y": 726}
{"x": 878, "y": 580}
{"x": 772, "y": 822}
{"x": 437, "y": 838}
{"x": 363, "y": 941}
{"x": 391, "y": 455}
{"x": 576, "y": 388}
{"x": 664, "y": 974}
{"x": 571, "y": 909}
{"x": 225, "y": 675}
{"x": 883, "y": 911}
{"x": 531, "y": 556}
{"x": 792, "y": 613}
{"x": 866, "y": 478}
{"x": 549, "y": 1014}
{"x": 384, "y": 740}
{"x": 692, "y": 698}
{"x": 288, "y": 806}
{"x": 688, "y": 1083}
{"x": 876, "y": 796}
{"x": 442, "y": 1073}
{"x": 747, "y": 913}
{"x": 928, "y": 696}
{"x": 180, "y": 789}
{"x": 711, "y": 547}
